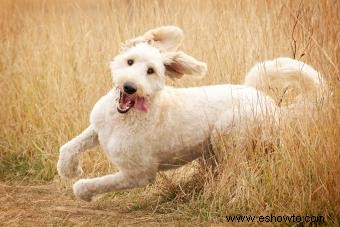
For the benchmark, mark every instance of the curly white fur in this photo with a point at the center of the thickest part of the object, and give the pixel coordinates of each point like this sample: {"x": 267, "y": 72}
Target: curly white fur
{"x": 176, "y": 122}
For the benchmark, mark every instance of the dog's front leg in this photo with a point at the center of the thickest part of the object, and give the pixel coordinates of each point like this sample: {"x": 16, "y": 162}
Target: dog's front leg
{"x": 68, "y": 163}
{"x": 86, "y": 189}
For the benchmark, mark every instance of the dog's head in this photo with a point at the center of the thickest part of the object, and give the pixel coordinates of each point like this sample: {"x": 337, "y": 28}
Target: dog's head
{"x": 139, "y": 71}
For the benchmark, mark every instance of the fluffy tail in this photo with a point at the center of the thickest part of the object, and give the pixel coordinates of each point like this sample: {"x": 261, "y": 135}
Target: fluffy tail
{"x": 283, "y": 73}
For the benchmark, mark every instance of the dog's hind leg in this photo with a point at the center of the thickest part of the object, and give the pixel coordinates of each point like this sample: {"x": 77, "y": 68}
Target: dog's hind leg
{"x": 68, "y": 163}
{"x": 86, "y": 189}
{"x": 229, "y": 131}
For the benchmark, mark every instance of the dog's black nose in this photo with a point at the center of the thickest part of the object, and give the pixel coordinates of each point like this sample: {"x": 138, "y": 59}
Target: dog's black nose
{"x": 129, "y": 88}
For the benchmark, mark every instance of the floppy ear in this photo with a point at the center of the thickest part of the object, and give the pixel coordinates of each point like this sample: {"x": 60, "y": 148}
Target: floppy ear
{"x": 178, "y": 63}
{"x": 166, "y": 38}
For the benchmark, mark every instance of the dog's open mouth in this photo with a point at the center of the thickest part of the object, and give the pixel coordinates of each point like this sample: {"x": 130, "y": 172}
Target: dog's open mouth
{"x": 126, "y": 102}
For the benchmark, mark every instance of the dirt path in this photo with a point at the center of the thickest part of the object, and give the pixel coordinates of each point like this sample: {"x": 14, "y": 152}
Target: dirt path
{"x": 42, "y": 205}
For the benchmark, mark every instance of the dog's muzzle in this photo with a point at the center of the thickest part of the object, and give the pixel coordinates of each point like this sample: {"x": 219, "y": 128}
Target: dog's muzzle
{"x": 129, "y": 99}
{"x": 129, "y": 88}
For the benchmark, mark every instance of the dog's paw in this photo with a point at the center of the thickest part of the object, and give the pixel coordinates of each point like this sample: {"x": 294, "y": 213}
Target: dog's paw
{"x": 81, "y": 190}
{"x": 68, "y": 163}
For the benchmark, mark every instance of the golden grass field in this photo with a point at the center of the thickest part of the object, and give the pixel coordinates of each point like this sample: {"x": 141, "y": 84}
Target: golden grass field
{"x": 54, "y": 58}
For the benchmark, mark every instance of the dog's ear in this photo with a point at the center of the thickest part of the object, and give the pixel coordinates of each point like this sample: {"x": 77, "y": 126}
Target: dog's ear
{"x": 166, "y": 38}
{"x": 178, "y": 63}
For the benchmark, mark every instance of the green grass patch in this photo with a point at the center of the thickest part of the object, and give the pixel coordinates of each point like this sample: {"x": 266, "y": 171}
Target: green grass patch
{"x": 23, "y": 167}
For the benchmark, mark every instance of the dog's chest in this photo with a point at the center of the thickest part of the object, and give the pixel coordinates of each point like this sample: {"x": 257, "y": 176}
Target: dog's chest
{"x": 125, "y": 144}
{"x": 129, "y": 144}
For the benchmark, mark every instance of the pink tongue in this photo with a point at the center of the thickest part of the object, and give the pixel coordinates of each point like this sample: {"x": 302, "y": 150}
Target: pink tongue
{"x": 140, "y": 104}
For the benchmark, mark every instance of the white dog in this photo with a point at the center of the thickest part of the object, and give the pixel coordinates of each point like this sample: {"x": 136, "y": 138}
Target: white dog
{"x": 145, "y": 126}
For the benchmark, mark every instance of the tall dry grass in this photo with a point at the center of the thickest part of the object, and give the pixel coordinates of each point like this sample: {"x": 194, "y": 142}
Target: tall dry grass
{"x": 54, "y": 58}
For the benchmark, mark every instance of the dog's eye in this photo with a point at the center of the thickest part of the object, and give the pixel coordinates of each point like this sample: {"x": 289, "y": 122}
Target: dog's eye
{"x": 150, "y": 71}
{"x": 130, "y": 62}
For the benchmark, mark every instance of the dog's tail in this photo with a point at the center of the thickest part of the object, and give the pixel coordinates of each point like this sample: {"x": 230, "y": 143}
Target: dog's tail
{"x": 284, "y": 73}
